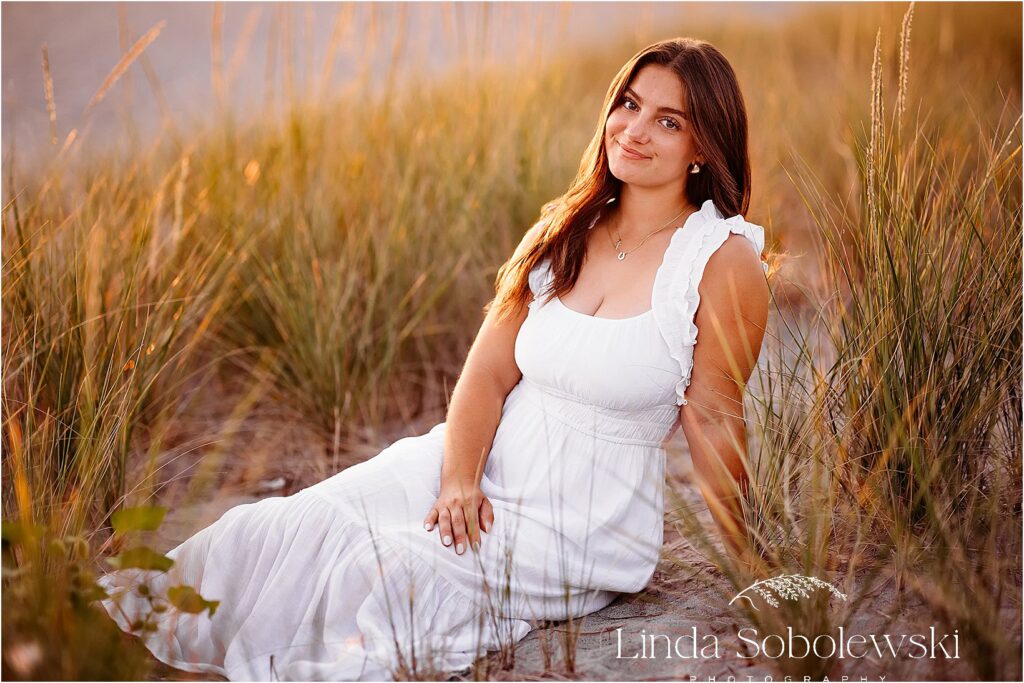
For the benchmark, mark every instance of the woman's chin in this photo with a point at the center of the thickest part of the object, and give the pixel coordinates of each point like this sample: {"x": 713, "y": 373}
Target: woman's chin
{"x": 626, "y": 175}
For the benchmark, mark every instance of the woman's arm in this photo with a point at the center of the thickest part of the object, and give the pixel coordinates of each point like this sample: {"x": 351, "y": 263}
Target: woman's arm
{"x": 488, "y": 375}
{"x": 731, "y": 320}
{"x": 462, "y": 510}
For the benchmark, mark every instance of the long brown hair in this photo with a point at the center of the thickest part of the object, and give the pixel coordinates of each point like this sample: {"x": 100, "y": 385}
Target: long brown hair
{"x": 718, "y": 121}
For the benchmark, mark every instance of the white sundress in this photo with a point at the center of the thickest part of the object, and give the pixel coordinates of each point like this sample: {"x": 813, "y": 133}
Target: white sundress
{"x": 340, "y": 581}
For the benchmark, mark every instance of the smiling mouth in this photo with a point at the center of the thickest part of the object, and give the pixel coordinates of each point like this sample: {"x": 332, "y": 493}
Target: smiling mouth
{"x": 631, "y": 154}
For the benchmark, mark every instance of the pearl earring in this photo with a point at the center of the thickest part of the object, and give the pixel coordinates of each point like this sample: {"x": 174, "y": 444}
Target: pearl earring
{"x": 695, "y": 169}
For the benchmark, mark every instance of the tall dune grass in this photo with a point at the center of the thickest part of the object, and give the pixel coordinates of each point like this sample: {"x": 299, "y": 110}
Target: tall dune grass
{"x": 889, "y": 410}
{"x": 334, "y": 257}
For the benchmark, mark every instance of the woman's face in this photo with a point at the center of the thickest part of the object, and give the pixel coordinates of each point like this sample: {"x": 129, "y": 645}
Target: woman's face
{"x": 651, "y": 118}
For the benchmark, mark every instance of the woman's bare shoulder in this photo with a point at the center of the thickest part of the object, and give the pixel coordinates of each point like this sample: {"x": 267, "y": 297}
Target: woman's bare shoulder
{"x": 734, "y": 264}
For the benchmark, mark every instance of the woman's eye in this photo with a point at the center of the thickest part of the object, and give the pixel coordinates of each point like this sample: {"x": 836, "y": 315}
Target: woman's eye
{"x": 626, "y": 102}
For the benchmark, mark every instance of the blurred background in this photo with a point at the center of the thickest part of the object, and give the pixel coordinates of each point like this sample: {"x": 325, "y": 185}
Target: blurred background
{"x": 246, "y": 245}
{"x": 270, "y": 51}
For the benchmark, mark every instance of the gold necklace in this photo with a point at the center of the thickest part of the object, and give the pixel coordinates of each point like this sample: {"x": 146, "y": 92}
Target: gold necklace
{"x": 618, "y": 242}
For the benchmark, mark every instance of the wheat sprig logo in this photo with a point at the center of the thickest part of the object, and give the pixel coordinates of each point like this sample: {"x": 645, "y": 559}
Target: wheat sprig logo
{"x": 787, "y": 586}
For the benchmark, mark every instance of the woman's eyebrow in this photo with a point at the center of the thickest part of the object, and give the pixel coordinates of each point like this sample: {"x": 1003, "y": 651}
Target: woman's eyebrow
{"x": 641, "y": 101}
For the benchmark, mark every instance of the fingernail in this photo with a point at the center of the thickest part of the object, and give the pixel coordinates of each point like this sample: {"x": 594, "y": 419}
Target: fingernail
{"x": 458, "y": 549}
{"x": 447, "y": 540}
{"x": 428, "y": 526}
{"x": 476, "y": 545}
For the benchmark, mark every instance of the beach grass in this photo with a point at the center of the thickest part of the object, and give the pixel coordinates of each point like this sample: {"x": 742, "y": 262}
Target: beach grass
{"x": 331, "y": 258}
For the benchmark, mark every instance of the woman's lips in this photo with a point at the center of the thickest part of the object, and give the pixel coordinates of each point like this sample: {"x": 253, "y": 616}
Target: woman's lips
{"x": 629, "y": 154}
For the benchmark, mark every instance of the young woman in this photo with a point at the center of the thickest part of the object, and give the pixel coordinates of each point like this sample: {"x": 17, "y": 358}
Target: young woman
{"x": 540, "y": 497}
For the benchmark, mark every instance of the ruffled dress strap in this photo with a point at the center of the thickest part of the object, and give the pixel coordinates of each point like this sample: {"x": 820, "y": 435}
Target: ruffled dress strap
{"x": 675, "y": 297}
{"x": 539, "y": 278}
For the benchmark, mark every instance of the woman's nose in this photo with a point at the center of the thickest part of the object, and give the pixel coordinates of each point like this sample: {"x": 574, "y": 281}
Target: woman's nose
{"x": 637, "y": 131}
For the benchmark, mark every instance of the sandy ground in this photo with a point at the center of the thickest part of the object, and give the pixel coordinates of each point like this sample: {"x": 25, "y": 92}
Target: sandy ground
{"x": 674, "y": 603}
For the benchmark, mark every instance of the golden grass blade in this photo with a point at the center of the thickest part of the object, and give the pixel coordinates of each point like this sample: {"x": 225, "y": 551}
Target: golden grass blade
{"x": 179, "y": 198}
{"x": 122, "y": 66}
{"x": 124, "y": 34}
{"x": 252, "y": 20}
{"x": 901, "y": 96}
{"x": 876, "y": 127}
{"x": 307, "y": 54}
{"x": 158, "y": 93}
{"x": 51, "y": 106}
{"x": 397, "y": 43}
{"x": 342, "y": 29}
{"x": 287, "y": 42}
{"x": 69, "y": 140}
{"x": 217, "y": 53}
{"x": 270, "y": 71}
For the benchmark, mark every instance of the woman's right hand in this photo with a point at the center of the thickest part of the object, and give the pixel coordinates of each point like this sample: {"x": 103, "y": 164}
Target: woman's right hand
{"x": 459, "y": 513}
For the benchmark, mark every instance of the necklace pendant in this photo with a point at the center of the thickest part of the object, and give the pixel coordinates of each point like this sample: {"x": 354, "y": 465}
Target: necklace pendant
{"x": 622, "y": 255}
